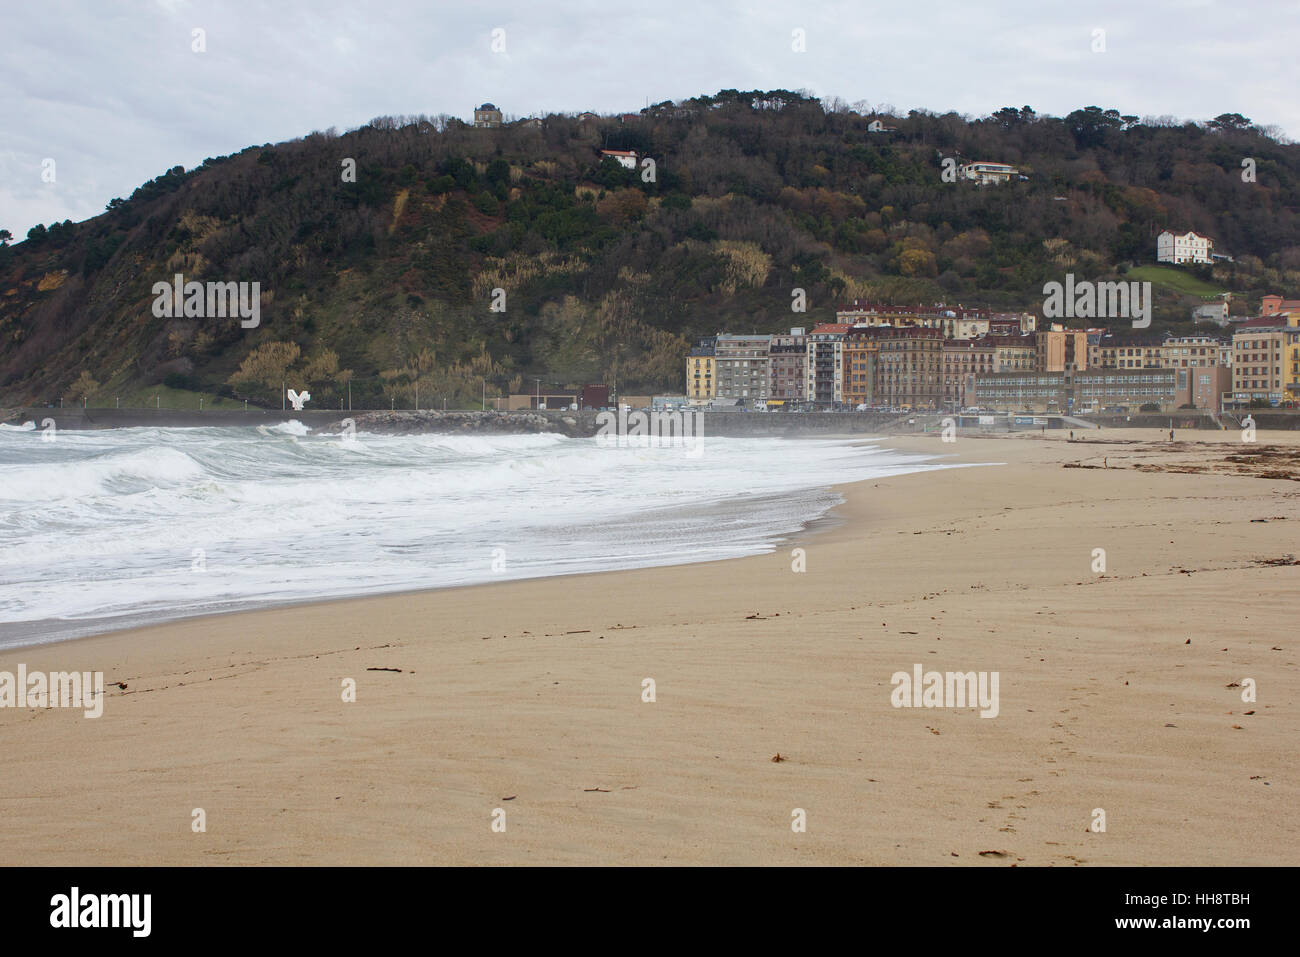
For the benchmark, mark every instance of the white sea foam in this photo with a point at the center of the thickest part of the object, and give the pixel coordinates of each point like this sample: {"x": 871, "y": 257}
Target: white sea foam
{"x": 151, "y": 524}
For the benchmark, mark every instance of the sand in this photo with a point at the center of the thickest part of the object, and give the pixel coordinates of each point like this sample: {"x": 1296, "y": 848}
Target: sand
{"x": 527, "y": 696}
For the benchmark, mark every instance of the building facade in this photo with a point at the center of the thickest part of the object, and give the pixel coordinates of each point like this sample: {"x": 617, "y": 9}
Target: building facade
{"x": 740, "y": 368}
{"x": 487, "y": 116}
{"x": 861, "y": 349}
{"x": 1183, "y": 248}
{"x": 1277, "y": 306}
{"x": 957, "y": 322}
{"x": 624, "y": 158}
{"x": 1017, "y": 352}
{"x": 787, "y": 368}
{"x": 909, "y": 368}
{"x": 1266, "y": 361}
{"x": 963, "y": 360}
{"x": 1094, "y": 390}
{"x": 1060, "y": 349}
{"x": 824, "y": 368}
{"x": 987, "y": 174}
{"x": 701, "y": 380}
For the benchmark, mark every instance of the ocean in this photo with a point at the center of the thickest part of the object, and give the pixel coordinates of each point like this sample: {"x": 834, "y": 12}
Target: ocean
{"x": 108, "y": 529}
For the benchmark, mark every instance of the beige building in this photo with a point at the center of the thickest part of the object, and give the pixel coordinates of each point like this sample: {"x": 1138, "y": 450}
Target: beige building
{"x": 1202, "y": 363}
{"x": 987, "y": 174}
{"x": 1014, "y": 353}
{"x": 1266, "y": 360}
{"x": 909, "y": 368}
{"x": 1060, "y": 349}
{"x": 487, "y": 116}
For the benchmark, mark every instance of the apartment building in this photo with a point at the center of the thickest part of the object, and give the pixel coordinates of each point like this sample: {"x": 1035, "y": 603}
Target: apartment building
{"x": 1012, "y": 323}
{"x": 861, "y": 349}
{"x": 956, "y": 322}
{"x": 740, "y": 368}
{"x": 701, "y": 378}
{"x": 963, "y": 360}
{"x": 1060, "y": 349}
{"x": 1016, "y": 352}
{"x": 1126, "y": 351}
{"x": 1202, "y": 363}
{"x": 787, "y": 368}
{"x": 1266, "y": 360}
{"x": 909, "y": 367}
{"x": 1186, "y": 352}
{"x": 824, "y": 369}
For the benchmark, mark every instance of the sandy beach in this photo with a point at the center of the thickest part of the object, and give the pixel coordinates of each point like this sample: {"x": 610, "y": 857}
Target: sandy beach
{"x": 1117, "y": 692}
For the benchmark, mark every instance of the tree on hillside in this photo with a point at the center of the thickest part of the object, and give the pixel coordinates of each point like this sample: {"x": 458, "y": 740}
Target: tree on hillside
{"x": 84, "y": 387}
{"x": 322, "y": 374}
{"x": 1230, "y": 122}
{"x": 267, "y": 366}
{"x": 5, "y": 236}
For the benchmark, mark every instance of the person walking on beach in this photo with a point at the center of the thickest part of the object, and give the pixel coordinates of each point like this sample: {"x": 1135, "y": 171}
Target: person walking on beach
{"x": 1171, "y": 435}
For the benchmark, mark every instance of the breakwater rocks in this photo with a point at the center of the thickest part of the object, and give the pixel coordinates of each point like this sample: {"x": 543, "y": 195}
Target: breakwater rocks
{"x": 409, "y": 423}
{"x": 586, "y": 424}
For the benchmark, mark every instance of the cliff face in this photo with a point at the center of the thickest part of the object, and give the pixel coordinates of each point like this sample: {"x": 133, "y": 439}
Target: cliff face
{"x": 459, "y": 259}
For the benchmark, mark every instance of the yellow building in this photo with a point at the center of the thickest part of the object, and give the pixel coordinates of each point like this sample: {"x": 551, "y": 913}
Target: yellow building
{"x": 1266, "y": 359}
{"x": 701, "y": 373}
{"x": 859, "y": 385}
{"x": 1060, "y": 349}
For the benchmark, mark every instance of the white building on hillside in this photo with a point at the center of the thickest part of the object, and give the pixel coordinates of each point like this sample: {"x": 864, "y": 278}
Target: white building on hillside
{"x": 625, "y": 158}
{"x": 1187, "y": 248}
{"x": 987, "y": 173}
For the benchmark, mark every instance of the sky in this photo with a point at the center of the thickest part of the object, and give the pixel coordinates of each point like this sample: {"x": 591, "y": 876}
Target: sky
{"x": 98, "y": 96}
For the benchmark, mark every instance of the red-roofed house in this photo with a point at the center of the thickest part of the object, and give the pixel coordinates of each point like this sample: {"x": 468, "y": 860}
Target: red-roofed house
{"x": 1273, "y": 305}
{"x": 625, "y": 158}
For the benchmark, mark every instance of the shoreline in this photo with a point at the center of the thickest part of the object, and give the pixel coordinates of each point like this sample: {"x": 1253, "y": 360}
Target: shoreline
{"x": 59, "y": 631}
{"x": 525, "y": 696}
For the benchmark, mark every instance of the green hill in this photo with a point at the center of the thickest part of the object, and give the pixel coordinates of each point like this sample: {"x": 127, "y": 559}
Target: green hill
{"x": 388, "y": 282}
{"x": 1182, "y": 281}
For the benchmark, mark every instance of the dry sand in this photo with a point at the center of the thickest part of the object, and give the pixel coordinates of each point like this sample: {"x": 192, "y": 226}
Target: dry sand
{"x": 527, "y": 696}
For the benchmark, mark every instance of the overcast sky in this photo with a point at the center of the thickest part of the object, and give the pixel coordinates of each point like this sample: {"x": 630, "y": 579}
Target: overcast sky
{"x": 113, "y": 92}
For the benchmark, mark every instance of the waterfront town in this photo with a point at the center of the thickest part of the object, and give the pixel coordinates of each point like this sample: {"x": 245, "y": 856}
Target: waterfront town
{"x": 953, "y": 358}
